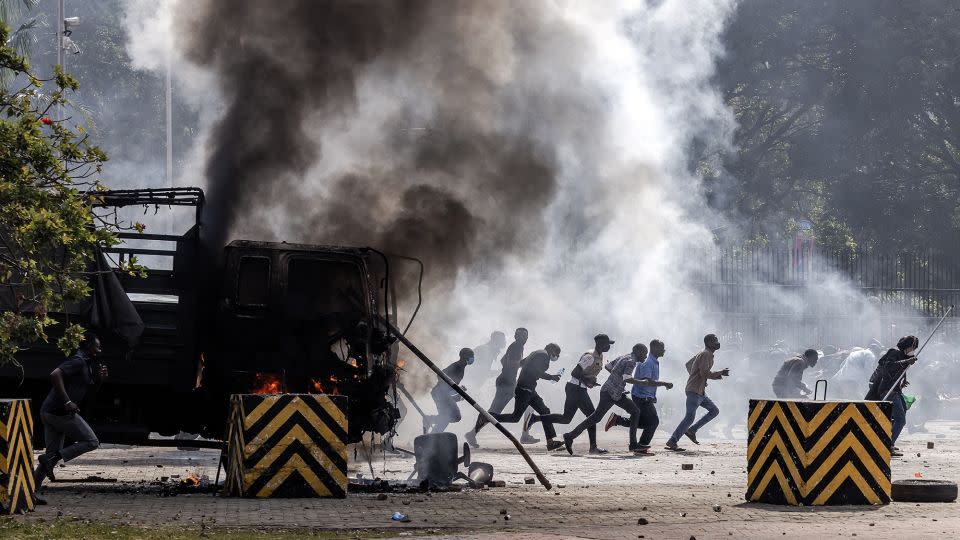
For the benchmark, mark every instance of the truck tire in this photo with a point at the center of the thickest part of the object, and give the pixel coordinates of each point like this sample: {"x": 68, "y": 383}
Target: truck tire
{"x": 924, "y": 491}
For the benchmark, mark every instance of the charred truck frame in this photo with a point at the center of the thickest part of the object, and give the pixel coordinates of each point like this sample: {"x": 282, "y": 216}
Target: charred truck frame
{"x": 261, "y": 317}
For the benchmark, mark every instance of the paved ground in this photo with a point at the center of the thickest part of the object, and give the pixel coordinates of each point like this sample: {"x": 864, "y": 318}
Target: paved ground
{"x": 593, "y": 497}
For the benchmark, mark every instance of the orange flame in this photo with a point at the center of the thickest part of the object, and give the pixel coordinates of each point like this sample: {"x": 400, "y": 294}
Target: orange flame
{"x": 266, "y": 383}
{"x": 191, "y": 480}
{"x": 317, "y": 386}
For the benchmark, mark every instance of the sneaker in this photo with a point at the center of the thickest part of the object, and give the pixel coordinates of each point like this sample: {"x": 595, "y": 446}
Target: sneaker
{"x": 596, "y": 451}
{"x": 527, "y": 438}
{"x": 641, "y": 451}
{"x": 526, "y": 422}
{"x": 692, "y": 435}
{"x": 554, "y": 445}
{"x": 471, "y": 438}
{"x": 612, "y": 421}
{"x": 48, "y": 465}
{"x": 671, "y": 445}
{"x": 568, "y": 442}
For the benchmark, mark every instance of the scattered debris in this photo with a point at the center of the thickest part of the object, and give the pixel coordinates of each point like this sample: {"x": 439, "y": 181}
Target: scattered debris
{"x": 382, "y": 497}
{"x": 561, "y": 486}
{"x": 503, "y": 512}
{"x": 91, "y": 478}
{"x": 506, "y": 517}
{"x": 528, "y": 480}
{"x": 686, "y": 466}
{"x": 716, "y": 508}
{"x": 401, "y": 517}
{"x": 683, "y": 514}
{"x": 929, "y": 445}
{"x": 642, "y": 521}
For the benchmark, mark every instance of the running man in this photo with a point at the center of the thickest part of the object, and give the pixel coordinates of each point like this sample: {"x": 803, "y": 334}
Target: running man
{"x": 644, "y": 396}
{"x": 582, "y": 378}
{"x": 613, "y": 393}
{"x": 525, "y": 394}
{"x": 445, "y": 397}
{"x": 699, "y": 367}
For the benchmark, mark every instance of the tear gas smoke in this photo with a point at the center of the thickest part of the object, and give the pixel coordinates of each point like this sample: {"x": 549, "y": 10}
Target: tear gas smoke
{"x": 534, "y": 154}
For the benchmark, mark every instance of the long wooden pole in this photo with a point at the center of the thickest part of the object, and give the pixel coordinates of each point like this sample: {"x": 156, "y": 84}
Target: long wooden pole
{"x": 483, "y": 412}
{"x": 904, "y": 374}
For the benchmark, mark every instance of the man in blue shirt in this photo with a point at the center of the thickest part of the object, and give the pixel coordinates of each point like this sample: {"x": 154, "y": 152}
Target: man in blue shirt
{"x": 645, "y": 398}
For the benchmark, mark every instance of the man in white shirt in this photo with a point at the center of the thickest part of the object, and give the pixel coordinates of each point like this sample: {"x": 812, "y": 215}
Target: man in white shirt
{"x": 582, "y": 378}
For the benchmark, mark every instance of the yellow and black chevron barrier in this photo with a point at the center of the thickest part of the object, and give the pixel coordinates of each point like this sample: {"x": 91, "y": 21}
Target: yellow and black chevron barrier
{"x": 287, "y": 445}
{"x": 818, "y": 452}
{"x": 16, "y": 456}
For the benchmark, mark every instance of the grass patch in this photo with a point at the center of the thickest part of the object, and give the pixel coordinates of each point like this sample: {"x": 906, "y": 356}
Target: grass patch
{"x": 74, "y": 529}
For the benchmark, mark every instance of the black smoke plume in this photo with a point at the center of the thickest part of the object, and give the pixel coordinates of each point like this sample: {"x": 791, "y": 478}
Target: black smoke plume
{"x": 464, "y": 182}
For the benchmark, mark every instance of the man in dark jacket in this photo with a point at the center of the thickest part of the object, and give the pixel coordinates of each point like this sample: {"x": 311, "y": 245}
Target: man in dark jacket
{"x": 789, "y": 380}
{"x": 506, "y": 383}
{"x": 445, "y": 397}
{"x": 525, "y": 394}
{"x": 887, "y": 376}
{"x": 60, "y": 411}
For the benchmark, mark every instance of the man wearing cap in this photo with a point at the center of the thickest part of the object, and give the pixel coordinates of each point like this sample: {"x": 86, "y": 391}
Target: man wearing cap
{"x": 644, "y": 396}
{"x": 699, "y": 367}
{"x": 445, "y": 397}
{"x": 525, "y": 395}
{"x": 789, "y": 380}
{"x": 582, "y": 378}
{"x": 612, "y": 393}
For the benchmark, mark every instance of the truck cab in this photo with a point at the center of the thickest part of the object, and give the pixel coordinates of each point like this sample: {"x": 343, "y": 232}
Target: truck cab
{"x": 249, "y": 317}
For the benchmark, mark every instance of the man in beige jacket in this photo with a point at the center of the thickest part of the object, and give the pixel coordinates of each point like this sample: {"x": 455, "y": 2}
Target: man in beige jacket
{"x": 699, "y": 367}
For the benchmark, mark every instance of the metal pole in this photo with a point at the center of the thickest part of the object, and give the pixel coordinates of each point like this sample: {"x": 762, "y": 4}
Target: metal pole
{"x": 483, "y": 412}
{"x": 169, "y": 114}
{"x": 60, "y": 30}
{"x": 904, "y": 374}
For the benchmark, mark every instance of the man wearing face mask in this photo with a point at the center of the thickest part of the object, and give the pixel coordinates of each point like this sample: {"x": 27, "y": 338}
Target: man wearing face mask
{"x": 699, "y": 367}
{"x": 789, "y": 380}
{"x": 890, "y": 367}
{"x": 612, "y": 393}
{"x": 525, "y": 394}
{"x": 446, "y": 398}
{"x": 506, "y": 383}
{"x": 644, "y": 396}
{"x": 582, "y": 378}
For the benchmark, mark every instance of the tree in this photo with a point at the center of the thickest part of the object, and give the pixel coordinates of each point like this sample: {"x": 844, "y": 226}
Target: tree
{"x": 49, "y": 232}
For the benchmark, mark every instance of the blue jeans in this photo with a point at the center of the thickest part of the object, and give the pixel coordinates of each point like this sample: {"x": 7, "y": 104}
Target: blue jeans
{"x": 898, "y": 417}
{"x": 694, "y": 401}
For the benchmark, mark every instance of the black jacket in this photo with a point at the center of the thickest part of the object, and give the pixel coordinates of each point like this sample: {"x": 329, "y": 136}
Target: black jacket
{"x": 889, "y": 368}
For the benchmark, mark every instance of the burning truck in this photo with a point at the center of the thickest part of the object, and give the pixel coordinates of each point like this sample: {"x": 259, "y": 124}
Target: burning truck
{"x": 260, "y": 317}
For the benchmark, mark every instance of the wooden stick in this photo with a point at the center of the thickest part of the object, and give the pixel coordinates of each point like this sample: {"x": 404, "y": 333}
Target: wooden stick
{"x": 483, "y": 412}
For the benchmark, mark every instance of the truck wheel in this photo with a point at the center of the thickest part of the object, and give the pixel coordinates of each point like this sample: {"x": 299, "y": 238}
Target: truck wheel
{"x": 924, "y": 491}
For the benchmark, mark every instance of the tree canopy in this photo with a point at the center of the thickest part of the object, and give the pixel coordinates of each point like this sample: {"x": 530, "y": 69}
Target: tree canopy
{"x": 49, "y": 232}
{"x": 846, "y": 115}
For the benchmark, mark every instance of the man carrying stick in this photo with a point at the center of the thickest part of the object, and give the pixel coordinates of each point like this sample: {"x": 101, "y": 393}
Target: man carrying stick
{"x": 889, "y": 378}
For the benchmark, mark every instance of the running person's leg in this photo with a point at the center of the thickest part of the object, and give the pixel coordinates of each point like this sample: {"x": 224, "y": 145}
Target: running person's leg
{"x": 712, "y": 412}
{"x": 606, "y": 402}
{"x": 693, "y": 403}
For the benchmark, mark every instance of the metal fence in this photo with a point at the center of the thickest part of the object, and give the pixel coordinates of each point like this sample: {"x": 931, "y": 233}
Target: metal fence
{"x": 810, "y": 298}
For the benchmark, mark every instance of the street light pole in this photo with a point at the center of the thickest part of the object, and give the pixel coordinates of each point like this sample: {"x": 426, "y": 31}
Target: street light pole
{"x": 61, "y": 29}
{"x": 169, "y": 114}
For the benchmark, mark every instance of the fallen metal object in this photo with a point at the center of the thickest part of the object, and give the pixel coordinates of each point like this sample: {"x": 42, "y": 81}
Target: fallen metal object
{"x": 437, "y": 459}
{"x": 480, "y": 473}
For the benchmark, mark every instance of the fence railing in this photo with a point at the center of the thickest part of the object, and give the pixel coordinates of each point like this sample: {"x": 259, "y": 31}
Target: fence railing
{"x": 811, "y": 297}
